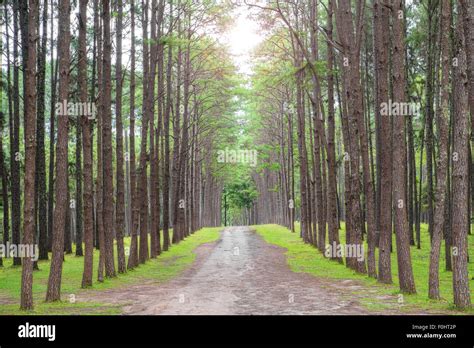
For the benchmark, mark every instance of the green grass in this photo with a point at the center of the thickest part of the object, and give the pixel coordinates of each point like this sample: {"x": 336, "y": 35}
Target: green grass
{"x": 166, "y": 266}
{"x": 305, "y": 258}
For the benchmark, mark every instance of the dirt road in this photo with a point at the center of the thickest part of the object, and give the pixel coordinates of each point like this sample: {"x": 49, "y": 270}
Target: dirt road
{"x": 239, "y": 274}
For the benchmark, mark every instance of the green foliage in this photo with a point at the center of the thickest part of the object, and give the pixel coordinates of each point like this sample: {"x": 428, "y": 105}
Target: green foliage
{"x": 241, "y": 193}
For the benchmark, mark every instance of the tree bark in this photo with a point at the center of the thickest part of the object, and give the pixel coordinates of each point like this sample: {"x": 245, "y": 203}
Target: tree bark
{"x": 333, "y": 231}
{"x": 30, "y": 154}
{"x": 442, "y": 165}
{"x": 40, "y": 185}
{"x": 120, "y": 203}
{"x": 460, "y": 175}
{"x": 405, "y": 271}
{"x": 166, "y": 125}
{"x": 381, "y": 42}
{"x": 108, "y": 189}
{"x": 142, "y": 174}
{"x": 133, "y": 257}
{"x": 59, "y": 218}
{"x": 87, "y": 150}
{"x": 15, "y": 154}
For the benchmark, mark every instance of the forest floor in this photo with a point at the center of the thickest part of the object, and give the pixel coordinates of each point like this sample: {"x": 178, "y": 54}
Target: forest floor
{"x": 76, "y": 300}
{"x": 242, "y": 274}
{"x": 377, "y": 297}
{"x": 262, "y": 269}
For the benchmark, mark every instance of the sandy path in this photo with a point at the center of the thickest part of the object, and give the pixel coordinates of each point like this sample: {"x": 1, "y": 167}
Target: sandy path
{"x": 239, "y": 274}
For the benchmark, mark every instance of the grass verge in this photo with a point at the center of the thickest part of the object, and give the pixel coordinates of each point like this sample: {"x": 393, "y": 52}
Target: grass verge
{"x": 166, "y": 266}
{"x": 305, "y": 258}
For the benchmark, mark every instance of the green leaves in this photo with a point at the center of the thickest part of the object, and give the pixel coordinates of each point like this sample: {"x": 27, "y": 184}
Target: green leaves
{"x": 242, "y": 193}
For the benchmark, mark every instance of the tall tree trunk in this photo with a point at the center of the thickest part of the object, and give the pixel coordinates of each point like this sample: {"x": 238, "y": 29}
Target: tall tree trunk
{"x": 184, "y": 144}
{"x": 54, "y": 77}
{"x": 304, "y": 224}
{"x": 166, "y": 125}
{"x": 442, "y": 165}
{"x": 108, "y": 189}
{"x": 460, "y": 175}
{"x": 3, "y": 174}
{"x": 41, "y": 198}
{"x": 176, "y": 169}
{"x": 154, "y": 226}
{"x": 160, "y": 107}
{"x": 333, "y": 231}
{"x": 100, "y": 170}
{"x": 353, "y": 90}
{"x": 59, "y": 217}
{"x": 30, "y": 154}
{"x": 381, "y": 42}
{"x": 318, "y": 149}
{"x": 405, "y": 271}
{"x": 143, "y": 184}
{"x": 87, "y": 150}
{"x": 133, "y": 257}
{"x": 120, "y": 204}
{"x": 6, "y": 207}
{"x": 429, "y": 111}
{"x": 15, "y": 154}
